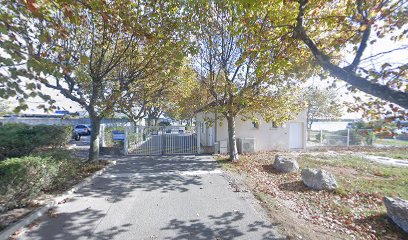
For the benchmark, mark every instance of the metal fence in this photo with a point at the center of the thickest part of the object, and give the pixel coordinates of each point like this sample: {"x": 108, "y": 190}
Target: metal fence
{"x": 160, "y": 140}
{"x": 347, "y": 137}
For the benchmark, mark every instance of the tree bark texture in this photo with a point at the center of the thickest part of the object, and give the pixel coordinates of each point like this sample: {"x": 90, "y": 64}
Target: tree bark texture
{"x": 94, "y": 144}
{"x": 232, "y": 140}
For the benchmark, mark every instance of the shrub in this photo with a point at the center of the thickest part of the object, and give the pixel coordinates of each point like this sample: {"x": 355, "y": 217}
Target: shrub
{"x": 108, "y": 134}
{"x": 319, "y": 136}
{"x": 57, "y": 154}
{"x": 17, "y": 140}
{"x": 22, "y": 179}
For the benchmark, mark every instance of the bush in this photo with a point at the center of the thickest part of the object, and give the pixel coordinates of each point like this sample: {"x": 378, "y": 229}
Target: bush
{"x": 22, "y": 179}
{"x": 16, "y": 188}
{"x": 108, "y": 134}
{"x": 17, "y": 140}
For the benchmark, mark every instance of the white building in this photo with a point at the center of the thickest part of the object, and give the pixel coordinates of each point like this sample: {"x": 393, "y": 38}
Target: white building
{"x": 262, "y": 136}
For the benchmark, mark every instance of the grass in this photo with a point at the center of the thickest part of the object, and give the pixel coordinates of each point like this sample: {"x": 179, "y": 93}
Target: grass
{"x": 354, "y": 173}
{"x": 356, "y": 207}
{"x": 357, "y": 174}
{"x": 391, "y": 142}
{"x": 396, "y": 153}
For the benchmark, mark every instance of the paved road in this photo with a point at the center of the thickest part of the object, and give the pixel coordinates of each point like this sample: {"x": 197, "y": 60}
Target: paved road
{"x": 169, "y": 197}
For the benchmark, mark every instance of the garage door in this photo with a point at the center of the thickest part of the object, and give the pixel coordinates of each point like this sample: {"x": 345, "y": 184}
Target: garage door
{"x": 295, "y": 135}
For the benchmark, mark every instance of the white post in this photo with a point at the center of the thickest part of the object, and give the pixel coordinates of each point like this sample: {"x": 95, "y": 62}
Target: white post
{"x": 126, "y": 142}
{"x": 102, "y": 134}
{"x": 348, "y": 137}
{"x": 198, "y": 138}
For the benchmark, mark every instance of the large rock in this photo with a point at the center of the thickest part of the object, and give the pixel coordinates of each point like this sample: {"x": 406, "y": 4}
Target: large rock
{"x": 286, "y": 165}
{"x": 397, "y": 210}
{"x": 318, "y": 179}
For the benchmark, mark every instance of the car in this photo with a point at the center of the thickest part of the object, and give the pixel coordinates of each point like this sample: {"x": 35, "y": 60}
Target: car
{"x": 403, "y": 130}
{"x": 82, "y": 130}
{"x": 76, "y": 136}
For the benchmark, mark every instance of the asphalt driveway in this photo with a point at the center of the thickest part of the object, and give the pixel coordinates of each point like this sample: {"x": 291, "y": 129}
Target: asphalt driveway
{"x": 168, "y": 197}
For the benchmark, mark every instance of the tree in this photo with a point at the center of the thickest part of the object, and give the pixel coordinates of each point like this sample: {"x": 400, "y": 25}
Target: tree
{"x": 186, "y": 96}
{"x": 90, "y": 52}
{"x": 150, "y": 96}
{"x": 321, "y": 103}
{"x": 244, "y": 74}
{"x": 4, "y": 108}
{"x": 329, "y": 27}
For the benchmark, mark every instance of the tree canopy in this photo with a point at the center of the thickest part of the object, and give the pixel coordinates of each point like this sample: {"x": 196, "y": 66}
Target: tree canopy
{"x": 91, "y": 52}
{"x": 232, "y": 57}
{"x": 243, "y": 74}
{"x": 321, "y": 104}
{"x": 330, "y": 28}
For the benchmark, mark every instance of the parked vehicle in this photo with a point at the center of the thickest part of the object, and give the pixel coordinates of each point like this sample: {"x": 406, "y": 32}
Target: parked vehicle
{"x": 76, "y": 136}
{"x": 82, "y": 130}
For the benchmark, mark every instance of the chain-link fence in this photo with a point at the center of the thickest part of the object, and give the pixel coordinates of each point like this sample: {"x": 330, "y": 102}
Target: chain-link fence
{"x": 347, "y": 137}
{"x": 354, "y": 137}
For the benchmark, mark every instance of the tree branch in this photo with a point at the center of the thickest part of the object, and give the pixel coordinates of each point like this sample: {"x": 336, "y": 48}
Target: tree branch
{"x": 346, "y": 74}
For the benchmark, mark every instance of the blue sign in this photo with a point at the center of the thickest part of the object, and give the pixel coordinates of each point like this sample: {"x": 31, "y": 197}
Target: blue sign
{"x": 118, "y": 135}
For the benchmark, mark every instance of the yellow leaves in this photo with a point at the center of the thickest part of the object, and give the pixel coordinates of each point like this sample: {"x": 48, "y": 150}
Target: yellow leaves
{"x": 84, "y": 60}
{"x": 363, "y": 27}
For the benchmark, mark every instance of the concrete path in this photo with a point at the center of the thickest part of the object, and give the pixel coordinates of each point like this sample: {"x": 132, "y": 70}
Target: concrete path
{"x": 169, "y": 197}
{"x": 388, "y": 161}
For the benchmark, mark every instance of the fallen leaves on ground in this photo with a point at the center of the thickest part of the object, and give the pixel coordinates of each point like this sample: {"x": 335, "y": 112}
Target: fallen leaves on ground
{"x": 354, "y": 213}
{"x": 52, "y": 213}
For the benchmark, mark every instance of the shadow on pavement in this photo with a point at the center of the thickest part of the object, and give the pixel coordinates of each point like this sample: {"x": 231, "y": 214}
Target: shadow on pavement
{"x": 222, "y": 227}
{"x": 163, "y": 164}
{"x": 148, "y": 174}
{"x": 75, "y": 225}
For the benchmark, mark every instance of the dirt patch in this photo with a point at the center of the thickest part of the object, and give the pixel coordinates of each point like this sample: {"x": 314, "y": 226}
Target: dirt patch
{"x": 288, "y": 223}
{"x": 342, "y": 171}
{"x": 12, "y": 216}
{"x": 292, "y": 226}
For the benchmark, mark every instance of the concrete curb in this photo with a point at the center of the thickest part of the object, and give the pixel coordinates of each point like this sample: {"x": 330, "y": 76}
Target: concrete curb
{"x": 6, "y": 233}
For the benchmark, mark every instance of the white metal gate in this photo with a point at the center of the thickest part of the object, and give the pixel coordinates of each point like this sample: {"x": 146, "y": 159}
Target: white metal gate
{"x": 160, "y": 140}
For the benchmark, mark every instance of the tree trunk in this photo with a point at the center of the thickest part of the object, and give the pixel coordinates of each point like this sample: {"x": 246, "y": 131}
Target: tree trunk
{"x": 232, "y": 140}
{"x": 94, "y": 144}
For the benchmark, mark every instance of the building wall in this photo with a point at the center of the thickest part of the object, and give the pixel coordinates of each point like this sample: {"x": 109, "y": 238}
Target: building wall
{"x": 266, "y": 137}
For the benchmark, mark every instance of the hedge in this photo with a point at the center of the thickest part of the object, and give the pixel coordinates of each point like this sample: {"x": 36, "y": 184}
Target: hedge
{"x": 17, "y": 140}
{"x": 23, "y": 179}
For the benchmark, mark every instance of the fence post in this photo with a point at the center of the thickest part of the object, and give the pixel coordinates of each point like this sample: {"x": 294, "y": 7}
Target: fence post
{"x": 126, "y": 142}
{"x": 198, "y": 132}
{"x": 321, "y": 137}
{"x": 348, "y": 137}
{"x": 102, "y": 135}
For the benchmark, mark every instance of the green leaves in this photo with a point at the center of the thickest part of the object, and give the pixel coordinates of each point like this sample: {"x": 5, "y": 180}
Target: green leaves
{"x": 246, "y": 63}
